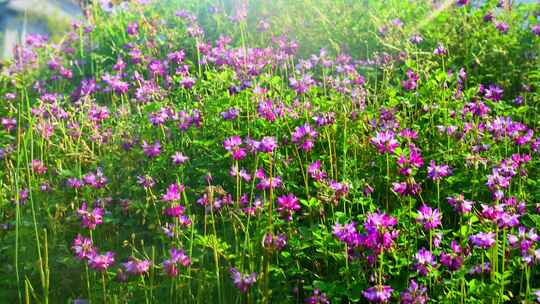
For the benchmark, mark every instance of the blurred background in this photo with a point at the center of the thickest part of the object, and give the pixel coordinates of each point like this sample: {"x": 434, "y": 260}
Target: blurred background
{"x": 20, "y": 17}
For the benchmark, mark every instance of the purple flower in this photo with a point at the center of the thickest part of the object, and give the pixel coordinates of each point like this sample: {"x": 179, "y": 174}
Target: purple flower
{"x": 317, "y": 297}
{"x": 416, "y": 39}
{"x": 304, "y": 136}
{"x": 267, "y": 144}
{"x": 90, "y": 219}
{"x": 502, "y": 27}
{"x": 151, "y": 150}
{"x": 535, "y": 29}
{"x": 460, "y": 204}
{"x": 287, "y": 206}
{"x": 101, "y": 262}
{"x": 438, "y": 172}
{"x": 385, "y": 141}
{"x": 314, "y": 170}
{"x": 83, "y": 247}
{"x": 430, "y": 218}
{"x": 301, "y": 85}
{"x": 414, "y": 294}
{"x": 494, "y": 93}
{"x": 424, "y": 261}
{"x": 137, "y": 267}
{"x": 133, "y": 28}
{"x": 483, "y": 240}
{"x": 243, "y": 281}
{"x": 173, "y": 193}
{"x": 232, "y": 145}
{"x": 177, "y": 257}
{"x": 453, "y": 259}
{"x": 411, "y": 82}
{"x": 462, "y": 2}
{"x": 275, "y": 242}
{"x": 178, "y": 158}
{"x": 230, "y": 114}
{"x": 378, "y": 293}
{"x": 146, "y": 181}
{"x": 440, "y": 50}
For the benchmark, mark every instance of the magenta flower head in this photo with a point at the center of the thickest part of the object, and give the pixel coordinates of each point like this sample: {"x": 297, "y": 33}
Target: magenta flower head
{"x": 151, "y": 150}
{"x": 83, "y": 247}
{"x": 462, "y": 2}
{"x": 133, "y": 29}
{"x": 173, "y": 193}
{"x": 494, "y": 93}
{"x": 243, "y": 281}
{"x": 177, "y": 257}
{"x": 483, "y": 240}
{"x": 317, "y": 297}
{"x": 90, "y": 219}
{"x": 304, "y": 136}
{"x": 385, "y": 141}
{"x": 536, "y": 30}
{"x": 502, "y": 27}
{"x": 378, "y": 294}
{"x": 429, "y": 218}
{"x": 267, "y": 144}
{"x": 460, "y": 204}
{"x": 438, "y": 172}
{"x": 137, "y": 267}
{"x": 287, "y": 206}
{"x": 440, "y": 50}
{"x": 314, "y": 170}
{"x": 424, "y": 261}
{"x": 178, "y": 158}
{"x": 414, "y": 294}
{"x": 232, "y": 145}
{"x": 101, "y": 262}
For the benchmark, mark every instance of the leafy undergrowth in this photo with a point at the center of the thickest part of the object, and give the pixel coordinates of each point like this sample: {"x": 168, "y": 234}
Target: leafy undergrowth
{"x": 274, "y": 152}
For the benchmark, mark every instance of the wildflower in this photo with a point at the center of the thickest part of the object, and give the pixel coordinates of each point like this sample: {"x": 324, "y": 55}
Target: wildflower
{"x": 230, "y": 114}
{"x": 232, "y": 144}
{"x": 416, "y": 39}
{"x": 178, "y": 158}
{"x": 90, "y": 219}
{"x": 483, "y": 240}
{"x": 414, "y": 294}
{"x": 440, "y": 50}
{"x": 453, "y": 259}
{"x": 146, "y": 181}
{"x": 378, "y": 293}
{"x": 287, "y": 206}
{"x": 314, "y": 170}
{"x": 38, "y": 167}
{"x": 385, "y": 141}
{"x": 304, "y": 136}
{"x": 274, "y": 242}
{"x": 438, "y": 172}
{"x": 430, "y": 218}
{"x": 411, "y": 82}
{"x": 268, "y": 144}
{"x": 424, "y": 261}
{"x": 101, "y": 262}
{"x": 83, "y": 247}
{"x": 137, "y": 267}
{"x": 462, "y": 2}
{"x": 317, "y": 297}
{"x": 151, "y": 150}
{"x": 177, "y": 257}
{"x": 173, "y": 193}
{"x": 494, "y": 93}
{"x": 133, "y": 29}
{"x": 502, "y": 27}
{"x": 301, "y": 85}
{"x": 242, "y": 281}
{"x": 535, "y": 29}
{"x": 460, "y": 204}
